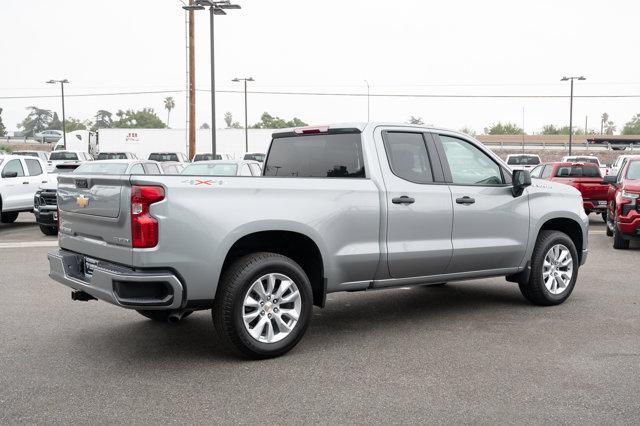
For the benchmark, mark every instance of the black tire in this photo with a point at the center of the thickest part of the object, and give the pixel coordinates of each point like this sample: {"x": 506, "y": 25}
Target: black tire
{"x": 534, "y": 290}
{"x": 228, "y": 305}
{"x": 608, "y": 231}
{"x": 619, "y": 243}
{"x": 160, "y": 316}
{"x": 49, "y": 230}
{"x": 9, "y": 217}
{"x": 604, "y": 216}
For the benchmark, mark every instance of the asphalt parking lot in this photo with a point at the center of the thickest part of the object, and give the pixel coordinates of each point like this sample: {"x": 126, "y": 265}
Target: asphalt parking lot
{"x": 472, "y": 352}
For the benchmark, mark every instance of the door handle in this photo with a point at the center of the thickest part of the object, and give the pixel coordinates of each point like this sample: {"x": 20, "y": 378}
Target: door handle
{"x": 403, "y": 200}
{"x": 25, "y": 183}
{"x": 465, "y": 200}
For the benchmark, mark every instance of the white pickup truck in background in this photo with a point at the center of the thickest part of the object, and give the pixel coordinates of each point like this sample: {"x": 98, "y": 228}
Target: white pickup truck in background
{"x": 20, "y": 178}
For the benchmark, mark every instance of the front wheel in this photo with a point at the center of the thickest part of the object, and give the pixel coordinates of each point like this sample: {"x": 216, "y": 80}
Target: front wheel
{"x": 618, "y": 241}
{"x": 8, "y": 217}
{"x": 554, "y": 270}
{"x": 49, "y": 230}
{"x": 263, "y": 305}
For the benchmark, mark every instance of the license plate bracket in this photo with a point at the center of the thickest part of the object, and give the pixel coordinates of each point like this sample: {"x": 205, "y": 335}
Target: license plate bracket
{"x": 89, "y": 265}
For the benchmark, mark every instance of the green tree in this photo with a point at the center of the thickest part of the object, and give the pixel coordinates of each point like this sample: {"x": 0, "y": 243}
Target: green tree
{"x": 228, "y": 119}
{"x": 36, "y": 121}
{"x": 169, "y": 104}
{"x": 550, "y": 129}
{"x": 145, "y": 118}
{"x": 603, "y": 119}
{"x": 503, "y": 129}
{"x": 630, "y": 128}
{"x": 415, "y": 120}
{"x": 267, "y": 121}
{"x": 55, "y": 124}
{"x": 3, "y": 130}
{"x": 72, "y": 124}
{"x": 468, "y": 131}
{"x": 104, "y": 120}
{"x": 609, "y": 127}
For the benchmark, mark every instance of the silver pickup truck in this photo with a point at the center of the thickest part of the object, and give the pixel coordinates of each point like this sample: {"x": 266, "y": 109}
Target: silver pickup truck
{"x": 339, "y": 208}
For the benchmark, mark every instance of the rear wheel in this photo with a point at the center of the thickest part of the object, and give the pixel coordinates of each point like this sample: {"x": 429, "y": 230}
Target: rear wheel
{"x": 618, "y": 241}
{"x": 9, "y": 217}
{"x": 604, "y": 216}
{"x": 554, "y": 270}
{"x": 263, "y": 305}
{"x": 49, "y": 230}
{"x": 610, "y": 225}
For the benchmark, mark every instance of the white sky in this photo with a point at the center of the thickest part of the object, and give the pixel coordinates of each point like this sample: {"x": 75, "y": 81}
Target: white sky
{"x": 401, "y": 46}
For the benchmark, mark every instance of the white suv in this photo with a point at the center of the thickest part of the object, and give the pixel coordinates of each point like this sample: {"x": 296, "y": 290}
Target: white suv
{"x": 20, "y": 178}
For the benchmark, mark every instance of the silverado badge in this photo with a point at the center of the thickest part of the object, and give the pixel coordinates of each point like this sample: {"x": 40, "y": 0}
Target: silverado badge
{"x": 82, "y": 201}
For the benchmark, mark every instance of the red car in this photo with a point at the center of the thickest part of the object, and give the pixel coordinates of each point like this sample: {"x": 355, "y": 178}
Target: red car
{"x": 623, "y": 208}
{"x": 585, "y": 177}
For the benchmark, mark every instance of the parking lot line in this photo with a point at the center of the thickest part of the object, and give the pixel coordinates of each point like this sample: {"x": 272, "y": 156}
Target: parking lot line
{"x": 27, "y": 244}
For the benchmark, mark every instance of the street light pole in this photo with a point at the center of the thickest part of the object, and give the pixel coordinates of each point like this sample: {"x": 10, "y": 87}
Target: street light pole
{"x": 213, "y": 85}
{"x": 571, "y": 107}
{"x": 215, "y": 8}
{"x": 368, "y": 102}
{"x": 246, "y": 122}
{"x": 64, "y": 133}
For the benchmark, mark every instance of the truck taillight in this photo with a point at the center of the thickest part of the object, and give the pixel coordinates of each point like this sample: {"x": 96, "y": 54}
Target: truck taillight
{"x": 144, "y": 227}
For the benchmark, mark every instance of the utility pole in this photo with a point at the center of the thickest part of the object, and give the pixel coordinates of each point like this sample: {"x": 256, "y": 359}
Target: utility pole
{"x": 192, "y": 83}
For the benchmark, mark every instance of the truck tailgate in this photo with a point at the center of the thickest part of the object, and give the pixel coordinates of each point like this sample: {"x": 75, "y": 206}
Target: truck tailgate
{"x": 95, "y": 216}
{"x": 592, "y": 188}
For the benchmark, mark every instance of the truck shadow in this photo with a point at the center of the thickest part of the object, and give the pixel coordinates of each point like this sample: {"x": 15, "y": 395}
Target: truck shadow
{"x": 347, "y": 316}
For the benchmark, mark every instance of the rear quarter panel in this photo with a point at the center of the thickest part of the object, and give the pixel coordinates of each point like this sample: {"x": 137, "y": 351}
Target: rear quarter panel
{"x": 201, "y": 218}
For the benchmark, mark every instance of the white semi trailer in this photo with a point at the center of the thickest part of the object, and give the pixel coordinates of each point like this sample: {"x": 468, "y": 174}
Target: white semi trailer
{"x": 142, "y": 142}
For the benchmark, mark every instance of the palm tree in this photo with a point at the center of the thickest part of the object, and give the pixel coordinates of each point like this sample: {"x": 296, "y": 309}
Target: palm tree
{"x": 603, "y": 120}
{"x": 169, "y": 104}
{"x": 609, "y": 127}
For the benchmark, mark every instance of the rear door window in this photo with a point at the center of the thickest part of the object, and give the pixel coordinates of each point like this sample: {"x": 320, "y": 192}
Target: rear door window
{"x": 33, "y": 166}
{"x": 151, "y": 169}
{"x": 63, "y": 156}
{"x": 408, "y": 156}
{"x": 316, "y": 155}
{"x": 137, "y": 169}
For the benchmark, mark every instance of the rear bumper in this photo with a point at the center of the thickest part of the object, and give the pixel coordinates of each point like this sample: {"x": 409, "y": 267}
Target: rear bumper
{"x": 116, "y": 284}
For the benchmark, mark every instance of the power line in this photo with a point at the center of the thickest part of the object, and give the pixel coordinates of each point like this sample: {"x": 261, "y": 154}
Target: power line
{"x": 378, "y": 95}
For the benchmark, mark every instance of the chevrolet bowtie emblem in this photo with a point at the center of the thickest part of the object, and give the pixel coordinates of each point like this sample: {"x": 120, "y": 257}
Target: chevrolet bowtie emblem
{"x": 82, "y": 201}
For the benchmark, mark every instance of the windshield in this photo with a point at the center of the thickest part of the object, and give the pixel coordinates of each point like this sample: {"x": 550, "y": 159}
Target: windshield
{"x": 112, "y": 156}
{"x": 206, "y": 157}
{"x": 255, "y": 157}
{"x": 633, "y": 172}
{"x": 578, "y": 171}
{"x": 523, "y": 160}
{"x": 63, "y": 156}
{"x": 215, "y": 169}
{"x": 102, "y": 168}
{"x": 157, "y": 156}
{"x": 583, "y": 160}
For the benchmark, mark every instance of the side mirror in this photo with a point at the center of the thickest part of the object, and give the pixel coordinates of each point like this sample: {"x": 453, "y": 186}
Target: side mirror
{"x": 610, "y": 180}
{"x": 9, "y": 174}
{"x": 521, "y": 179}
